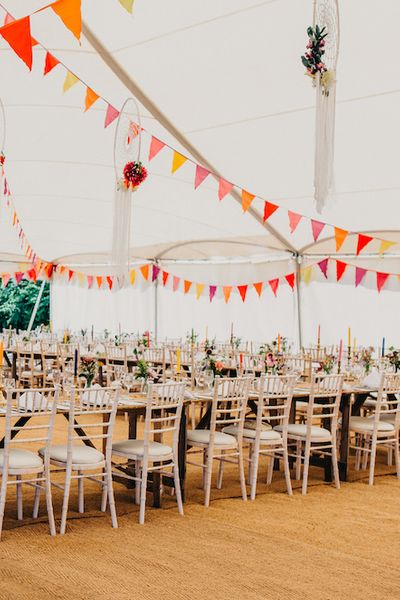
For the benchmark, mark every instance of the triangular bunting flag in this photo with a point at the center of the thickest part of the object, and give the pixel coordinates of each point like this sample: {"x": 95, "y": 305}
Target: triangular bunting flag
{"x": 186, "y": 285}
{"x": 99, "y": 281}
{"x": 201, "y": 174}
{"x": 32, "y": 274}
{"x": 227, "y": 289}
{"x": 155, "y": 273}
{"x": 362, "y": 241}
{"x": 242, "y": 291}
{"x": 90, "y": 281}
{"x": 258, "y": 287}
{"x": 316, "y": 227}
{"x": 90, "y": 98}
{"x": 69, "y": 12}
{"x": 127, "y": 4}
{"x": 175, "y": 283}
{"x": 290, "y": 279}
{"x": 340, "y": 269}
{"x": 132, "y": 276}
{"x": 111, "y": 114}
{"x": 340, "y": 236}
{"x": 381, "y": 280}
{"x": 294, "y": 220}
{"x": 385, "y": 245}
{"x": 360, "y": 274}
{"x": 274, "y": 283}
{"x": 110, "y": 281}
{"x": 199, "y": 289}
{"x": 323, "y": 265}
{"x": 165, "y": 276}
{"x": 306, "y": 274}
{"x": 5, "y": 278}
{"x": 224, "y": 187}
{"x": 145, "y": 271}
{"x": 49, "y": 270}
{"x": 155, "y": 146}
{"x": 81, "y": 278}
{"x": 70, "y": 275}
{"x": 70, "y": 80}
{"x": 8, "y": 19}
{"x": 213, "y": 289}
{"x": 18, "y": 35}
{"x": 269, "y": 210}
{"x": 50, "y": 63}
{"x": 177, "y": 161}
{"x": 19, "y": 277}
{"x": 247, "y": 199}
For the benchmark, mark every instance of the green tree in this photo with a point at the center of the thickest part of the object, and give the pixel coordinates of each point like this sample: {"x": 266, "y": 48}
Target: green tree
{"x": 17, "y": 302}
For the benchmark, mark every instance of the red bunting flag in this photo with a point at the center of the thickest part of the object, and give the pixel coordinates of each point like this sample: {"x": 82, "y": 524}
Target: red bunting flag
{"x": 258, "y": 287}
{"x": 90, "y": 281}
{"x": 294, "y": 220}
{"x": 242, "y": 291}
{"x": 340, "y": 269}
{"x": 381, "y": 279}
{"x": 110, "y": 281}
{"x": 155, "y": 146}
{"x": 175, "y": 283}
{"x": 69, "y": 12}
{"x": 70, "y": 274}
{"x": 360, "y": 274}
{"x": 224, "y": 187}
{"x": 155, "y": 273}
{"x": 165, "y": 276}
{"x": 19, "y": 277}
{"x": 50, "y": 63}
{"x": 362, "y": 241}
{"x": 186, "y": 285}
{"x": 111, "y": 114}
{"x": 323, "y": 265}
{"x": 269, "y": 210}
{"x": 290, "y": 279}
{"x": 32, "y": 274}
{"x": 316, "y": 227}
{"x": 18, "y": 35}
{"x": 274, "y": 284}
{"x": 49, "y": 270}
{"x": 213, "y": 289}
{"x": 201, "y": 174}
{"x": 247, "y": 199}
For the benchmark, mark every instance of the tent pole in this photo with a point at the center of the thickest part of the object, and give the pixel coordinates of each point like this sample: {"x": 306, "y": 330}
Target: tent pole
{"x": 298, "y": 294}
{"x": 156, "y": 309}
{"x": 35, "y": 308}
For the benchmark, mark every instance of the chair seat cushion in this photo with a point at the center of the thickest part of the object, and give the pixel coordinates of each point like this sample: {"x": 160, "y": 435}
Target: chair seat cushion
{"x": 136, "y": 448}
{"x": 21, "y": 459}
{"x": 366, "y": 424}
{"x": 317, "y": 433}
{"x": 266, "y": 434}
{"x": 202, "y": 436}
{"x": 35, "y": 373}
{"x": 81, "y": 454}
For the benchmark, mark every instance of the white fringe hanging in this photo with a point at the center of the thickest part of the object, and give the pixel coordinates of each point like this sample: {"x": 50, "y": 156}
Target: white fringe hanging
{"x": 121, "y": 232}
{"x": 324, "y": 142}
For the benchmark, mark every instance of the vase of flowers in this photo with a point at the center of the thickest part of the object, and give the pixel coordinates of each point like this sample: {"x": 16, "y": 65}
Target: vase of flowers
{"x": 393, "y": 357}
{"x": 366, "y": 358}
{"x": 88, "y": 370}
{"x": 326, "y": 365}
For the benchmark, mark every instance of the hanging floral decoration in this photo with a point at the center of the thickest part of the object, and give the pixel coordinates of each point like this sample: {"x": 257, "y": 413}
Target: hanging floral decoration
{"x": 134, "y": 174}
{"x": 2, "y": 158}
{"x": 312, "y": 59}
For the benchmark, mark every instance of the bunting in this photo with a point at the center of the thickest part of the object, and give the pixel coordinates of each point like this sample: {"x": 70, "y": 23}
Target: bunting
{"x": 316, "y": 227}
{"x": 363, "y": 241}
{"x": 213, "y": 289}
{"x": 269, "y": 210}
{"x": 90, "y": 98}
{"x": 224, "y": 188}
{"x": 340, "y": 236}
{"x": 340, "y": 269}
{"x": 177, "y": 161}
{"x": 242, "y": 291}
{"x": 226, "y": 290}
{"x": 294, "y": 220}
{"x": 201, "y": 174}
{"x": 127, "y": 4}
{"x": 69, "y": 12}
{"x": 18, "y": 36}
{"x": 155, "y": 146}
{"x": 70, "y": 80}
{"x": 111, "y": 114}
{"x": 323, "y": 265}
{"x": 247, "y": 199}
{"x": 49, "y": 63}
{"x": 199, "y": 290}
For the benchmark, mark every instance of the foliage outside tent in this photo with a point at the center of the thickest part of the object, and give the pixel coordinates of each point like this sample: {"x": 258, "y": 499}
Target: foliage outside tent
{"x": 17, "y": 303}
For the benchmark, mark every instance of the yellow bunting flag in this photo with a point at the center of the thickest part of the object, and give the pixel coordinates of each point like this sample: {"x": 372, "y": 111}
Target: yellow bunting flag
{"x": 145, "y": 271}
{"x": 69, "y": 12}
{"x": 90, "y": 98}
{"x": 199, "y": 289}
{"x": 306, "y": 274}
{"x": 247, "y": 199}
{"x": 385, "y": 245}
{"x": 177, "y": 161}
{"x": 81, "y": 278}
{"x": 340, "y": 236}
{"x": 132, "y": 276}
{"x": 127, "y": 4}
{"x": 227, "y": 292}
{"x": 70, "y": 80}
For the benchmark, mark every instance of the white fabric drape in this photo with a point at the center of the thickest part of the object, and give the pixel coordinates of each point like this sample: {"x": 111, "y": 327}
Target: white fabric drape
{"x": 324, "y": 142}
{"x": 121, "y": 231}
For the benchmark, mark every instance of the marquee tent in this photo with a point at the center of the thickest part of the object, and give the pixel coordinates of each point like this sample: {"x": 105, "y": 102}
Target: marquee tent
{"x": 222, "y": 84}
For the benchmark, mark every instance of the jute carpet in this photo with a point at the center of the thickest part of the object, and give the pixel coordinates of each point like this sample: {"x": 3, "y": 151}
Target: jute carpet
{"x": 330, "y": 545}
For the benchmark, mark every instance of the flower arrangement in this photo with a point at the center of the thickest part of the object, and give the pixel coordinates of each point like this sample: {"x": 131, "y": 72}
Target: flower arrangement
{"x": 327, "y": 364}
{"x": 2, "y": 158}
{"x": 142, "y": 370}
{"x": 88, "y": 369}
{"x": 191, "y": 338}
{"x": 312, "y": 59}
{"x": 365, "y": 358}
{"x": 235, "y": 341}
{"x": 273, "y": 363}
{"x": 393, "y": 357}
{"x": 134, "y": 174}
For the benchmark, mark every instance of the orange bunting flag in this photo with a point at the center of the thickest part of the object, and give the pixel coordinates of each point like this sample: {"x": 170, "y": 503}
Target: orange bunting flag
{"x": 70, "y": 80}
{"x": 177, "y": 161}
{"x": 50, "y": 63}
{"x": 381, "y": 279}
{"x": 224, "y": 187}
{"x": 269, "y": 210}
{"x": 132, "y": 276}
{"x": 363, "y": 240}
{"x": 247, "y": 199}
{"x": 274, "y": 283}
{"x": 227, "y": 289}
{"x": 18, "y": 35}
{"x": 199, "y": 289}
{"x": 145, "y": 271}
{"x": 69, "y": 12}
{"x": 186, "y": 285}
{"x": 290, "y": 279}
{"x": 5, "y": 278}
{"x": 111, "y": 114}
{"x": 340, "y": 236}
{"x": 258, "y": 287}
{"x": 90, "y": 98}
{"x": 294, "y": 220}
{"x": 242, "y": 291}
{"x": 99, "y": 282}
{"x": 155, "y": 146}
{"x": 201, "y": 174}
{"x": 165, "y": 276}
{"x": 385, "y": 245}
{"x": 340, "y": 269}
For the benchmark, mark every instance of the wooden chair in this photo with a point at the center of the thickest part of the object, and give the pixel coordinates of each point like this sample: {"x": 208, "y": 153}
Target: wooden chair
{"x": 380, "y": 429}
{"x": 32, "y": 411}
{"x": 228, "y": 408}
{"x": 50, "y": 360}
{"x": 98, "y": 407}
{"x": 323, "y": 406}
{"x": 29, "y": 368}
{"x": 116, "y": 360}
{"x": 152, "y": 454}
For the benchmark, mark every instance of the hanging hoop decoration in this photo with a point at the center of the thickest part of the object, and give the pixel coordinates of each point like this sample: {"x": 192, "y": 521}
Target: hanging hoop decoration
{"x": 129, "y": 174}
{"x": 2, "y": 134}
{"x": 320, "y": 60}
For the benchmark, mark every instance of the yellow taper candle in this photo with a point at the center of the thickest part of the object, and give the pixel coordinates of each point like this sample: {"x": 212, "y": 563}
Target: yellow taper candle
{"x": 349, "y": 337}
{"x": 178, "y": 360}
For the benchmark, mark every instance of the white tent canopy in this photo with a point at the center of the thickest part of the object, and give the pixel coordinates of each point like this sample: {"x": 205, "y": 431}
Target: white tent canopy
{"x": 227, "y": 79}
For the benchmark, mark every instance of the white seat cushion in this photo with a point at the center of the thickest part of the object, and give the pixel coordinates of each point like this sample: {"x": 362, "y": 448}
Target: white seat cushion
{"x": 81, "y": 454}
{"x": 21, "y": 459}
{"x": 136, "y": 448}
{"x": 366, "y": 424}
{"x": 317, "y": 433}
{"x": 202, "y": 436}
{"x": 266, "y": 434}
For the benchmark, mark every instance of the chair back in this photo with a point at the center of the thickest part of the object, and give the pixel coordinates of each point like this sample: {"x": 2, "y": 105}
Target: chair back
{"x": 163, "y": 413}
{"x": 229, "y": 403}
{"x": 324, "y": 400}
{"x": 388, "y": 404}
{"x": 274, "y": 401}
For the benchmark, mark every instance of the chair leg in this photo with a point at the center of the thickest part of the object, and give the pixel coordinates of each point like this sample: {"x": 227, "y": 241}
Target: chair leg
{"x": 372, "y": 461}
{"x": 307, "y": 452}
{"x": 110, "y": 493}
{"x": 20, "y": 511}
{"x": 242, "y": 475}
{"x": 207, "y": 478}
{"x": 64, "y": 511}
{"x": 287, "y": 472}
{"x": 137, "y": 482}
{"x": 220, "y": 471}
{"x": 49, "y": 503}
{"x": 397, "y": 455}
{"x": 367, "y": 443}
{"x": 390, "y": 456}
{"x": 335, "y": 466}
{"x": 205, "y": 460}
{"x": 177, "y": 482}
{"x": 298, "y": 460}
{"x": 81, "y": 494}
{"x": 253, "y": 470}
{"x": 270, "y": 469}
{"x": 143, "y": 489}
{"x": 3, "y": 493}
{"x": 248, "y": 480}
{"x": 36, "y": 502}
{"x": 358, "y": 452}
{"x": 104, "y": 493}
{"x": 193, "y": 415}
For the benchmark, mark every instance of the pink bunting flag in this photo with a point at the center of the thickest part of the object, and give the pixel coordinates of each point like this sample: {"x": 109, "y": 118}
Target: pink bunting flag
{"x": 111, "y": 114}
{"x": 381, "y": 279}
{"x": 323, "y": 265}
{"x": 18, "y": 277}
{"x": 274, "y": 284}
{"x": 175, "y": 283}
{"x": 224, "y": 188}
{"x": 317, "y": 227}
{"x": 90, "y": 281}
{"x": 155, "y": 146}
{"x": 201, "y": 174}
{"x": 294, "y": 220}
{"x": 213, "y": 289}
{"x": 360, "y": 274}
{"x": 155, "y": 273}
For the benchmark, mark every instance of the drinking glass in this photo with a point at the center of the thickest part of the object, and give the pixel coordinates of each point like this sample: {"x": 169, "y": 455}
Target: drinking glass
{"x": 208, "y": 378}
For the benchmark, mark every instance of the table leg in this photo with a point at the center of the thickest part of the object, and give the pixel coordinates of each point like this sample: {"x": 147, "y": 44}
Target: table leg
{"x": 182, "y": 446}
{"x": 22, "y": 421}
{"x": 81, "y": 432}
{"x": 14, "y": 366}
{"x": 344, "y": 437}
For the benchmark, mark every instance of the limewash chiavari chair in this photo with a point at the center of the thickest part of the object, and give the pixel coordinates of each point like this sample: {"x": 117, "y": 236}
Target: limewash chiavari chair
{"x": 66, "y": 357}
{"x": 32, "y": 411}
{"x": 97, "y": 407}
{"x": 29, "y": 369}
{"x": 380, "y": 429}
{"x": 273, "y": 409}
{"x": 50, "y": 360}
{"x": 323, "y": 407}
{"x": 229, "y": 404}
{"x": 116, "y": 360}
{"x": 153, "y": 453}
